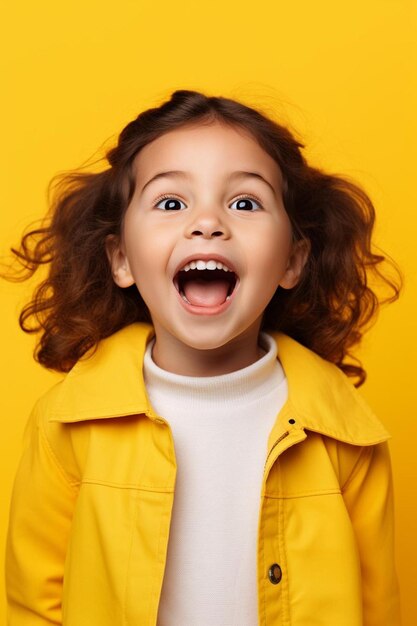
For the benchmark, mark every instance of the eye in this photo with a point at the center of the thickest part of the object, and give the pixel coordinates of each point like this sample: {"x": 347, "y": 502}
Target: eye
{"x": 246, "y": 204}
{"x": 171, "y": 203}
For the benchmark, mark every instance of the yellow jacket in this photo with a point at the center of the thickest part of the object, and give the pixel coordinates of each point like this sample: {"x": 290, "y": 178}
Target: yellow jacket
{"x": 92, "y": 500}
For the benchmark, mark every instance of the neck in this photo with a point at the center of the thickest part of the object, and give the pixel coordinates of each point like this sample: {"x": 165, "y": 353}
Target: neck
{"x": 173, "y": 355}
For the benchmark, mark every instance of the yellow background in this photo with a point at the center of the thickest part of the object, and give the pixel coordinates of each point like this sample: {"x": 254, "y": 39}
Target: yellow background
{"x": 344, "y": 77}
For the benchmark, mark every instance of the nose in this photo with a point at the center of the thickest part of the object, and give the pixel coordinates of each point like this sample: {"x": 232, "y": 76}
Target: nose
{"x": 207, "y": 224}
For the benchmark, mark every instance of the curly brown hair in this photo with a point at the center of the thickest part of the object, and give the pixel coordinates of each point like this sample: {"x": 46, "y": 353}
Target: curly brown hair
{"x": 78, "y": 304}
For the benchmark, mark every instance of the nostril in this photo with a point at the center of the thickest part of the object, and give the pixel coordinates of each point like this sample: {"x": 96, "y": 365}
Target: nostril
{"x": 216, "y": 233}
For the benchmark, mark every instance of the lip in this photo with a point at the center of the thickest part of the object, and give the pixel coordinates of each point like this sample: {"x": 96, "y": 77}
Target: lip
{"x": 204, "y": 310}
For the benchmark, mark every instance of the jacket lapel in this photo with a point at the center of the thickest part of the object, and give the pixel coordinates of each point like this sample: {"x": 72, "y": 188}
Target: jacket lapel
{"x": 108, "y": 382}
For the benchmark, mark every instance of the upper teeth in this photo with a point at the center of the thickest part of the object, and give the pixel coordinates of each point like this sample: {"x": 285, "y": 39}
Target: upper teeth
{"x": 205, "y": 265}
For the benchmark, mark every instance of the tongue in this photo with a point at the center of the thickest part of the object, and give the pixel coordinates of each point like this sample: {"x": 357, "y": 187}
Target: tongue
{"x": 206, "y": 292}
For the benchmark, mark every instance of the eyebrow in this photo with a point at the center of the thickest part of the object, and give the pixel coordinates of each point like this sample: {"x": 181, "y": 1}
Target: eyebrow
{"x": 234, "y": 175}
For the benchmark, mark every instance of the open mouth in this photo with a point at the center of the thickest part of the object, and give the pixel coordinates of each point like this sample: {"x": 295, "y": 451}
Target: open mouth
{"x": 205, "y": 288}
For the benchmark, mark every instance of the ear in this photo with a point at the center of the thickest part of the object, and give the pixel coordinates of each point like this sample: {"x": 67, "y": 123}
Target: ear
{"x": 119, "y": 262}
{"x": 296, "y": 262}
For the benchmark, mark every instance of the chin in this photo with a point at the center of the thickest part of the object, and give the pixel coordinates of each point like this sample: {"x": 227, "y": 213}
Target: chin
{"x": 205, "y": 343}
{"x": 208, "y": 339}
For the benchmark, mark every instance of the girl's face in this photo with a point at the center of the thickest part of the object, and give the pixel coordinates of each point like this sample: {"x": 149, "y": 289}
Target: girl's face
{"x": 206, "y": 192}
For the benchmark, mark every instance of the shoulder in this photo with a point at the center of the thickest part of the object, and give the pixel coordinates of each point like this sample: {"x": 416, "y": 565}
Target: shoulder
{"x": 324, "y": 399}
{"x": 106, "y": 382}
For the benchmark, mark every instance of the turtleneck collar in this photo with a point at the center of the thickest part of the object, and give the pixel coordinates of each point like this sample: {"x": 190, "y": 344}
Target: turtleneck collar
{"x": 240, "y": 386}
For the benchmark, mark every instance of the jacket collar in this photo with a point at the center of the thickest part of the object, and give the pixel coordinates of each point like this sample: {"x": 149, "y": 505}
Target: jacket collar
{"x": 108, "y": 382}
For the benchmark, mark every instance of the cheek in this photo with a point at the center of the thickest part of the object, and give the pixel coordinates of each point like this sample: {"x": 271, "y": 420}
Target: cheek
{"x": 269, "y": 253}
{"x": 137, "y": 243}
{"x": 147, "y": 259}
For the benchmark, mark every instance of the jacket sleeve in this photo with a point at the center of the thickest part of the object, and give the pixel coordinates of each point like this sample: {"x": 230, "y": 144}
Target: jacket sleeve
{"x": 41, "y": 508}
{"x": 368, "y": 494}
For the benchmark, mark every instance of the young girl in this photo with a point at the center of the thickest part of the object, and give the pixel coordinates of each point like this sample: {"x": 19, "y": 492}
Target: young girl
{"x": 206, "y": 460}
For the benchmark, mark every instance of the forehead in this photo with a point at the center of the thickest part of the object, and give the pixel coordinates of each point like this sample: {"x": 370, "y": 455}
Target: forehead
{"x": 213, "y": 148}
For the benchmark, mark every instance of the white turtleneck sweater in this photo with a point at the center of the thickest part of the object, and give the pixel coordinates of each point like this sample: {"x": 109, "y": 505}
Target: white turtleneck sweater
{"x": 220, "y": 426}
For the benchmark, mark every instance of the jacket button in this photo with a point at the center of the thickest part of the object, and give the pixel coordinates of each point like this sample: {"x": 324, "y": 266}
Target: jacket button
{"x": 275, "y": 574}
